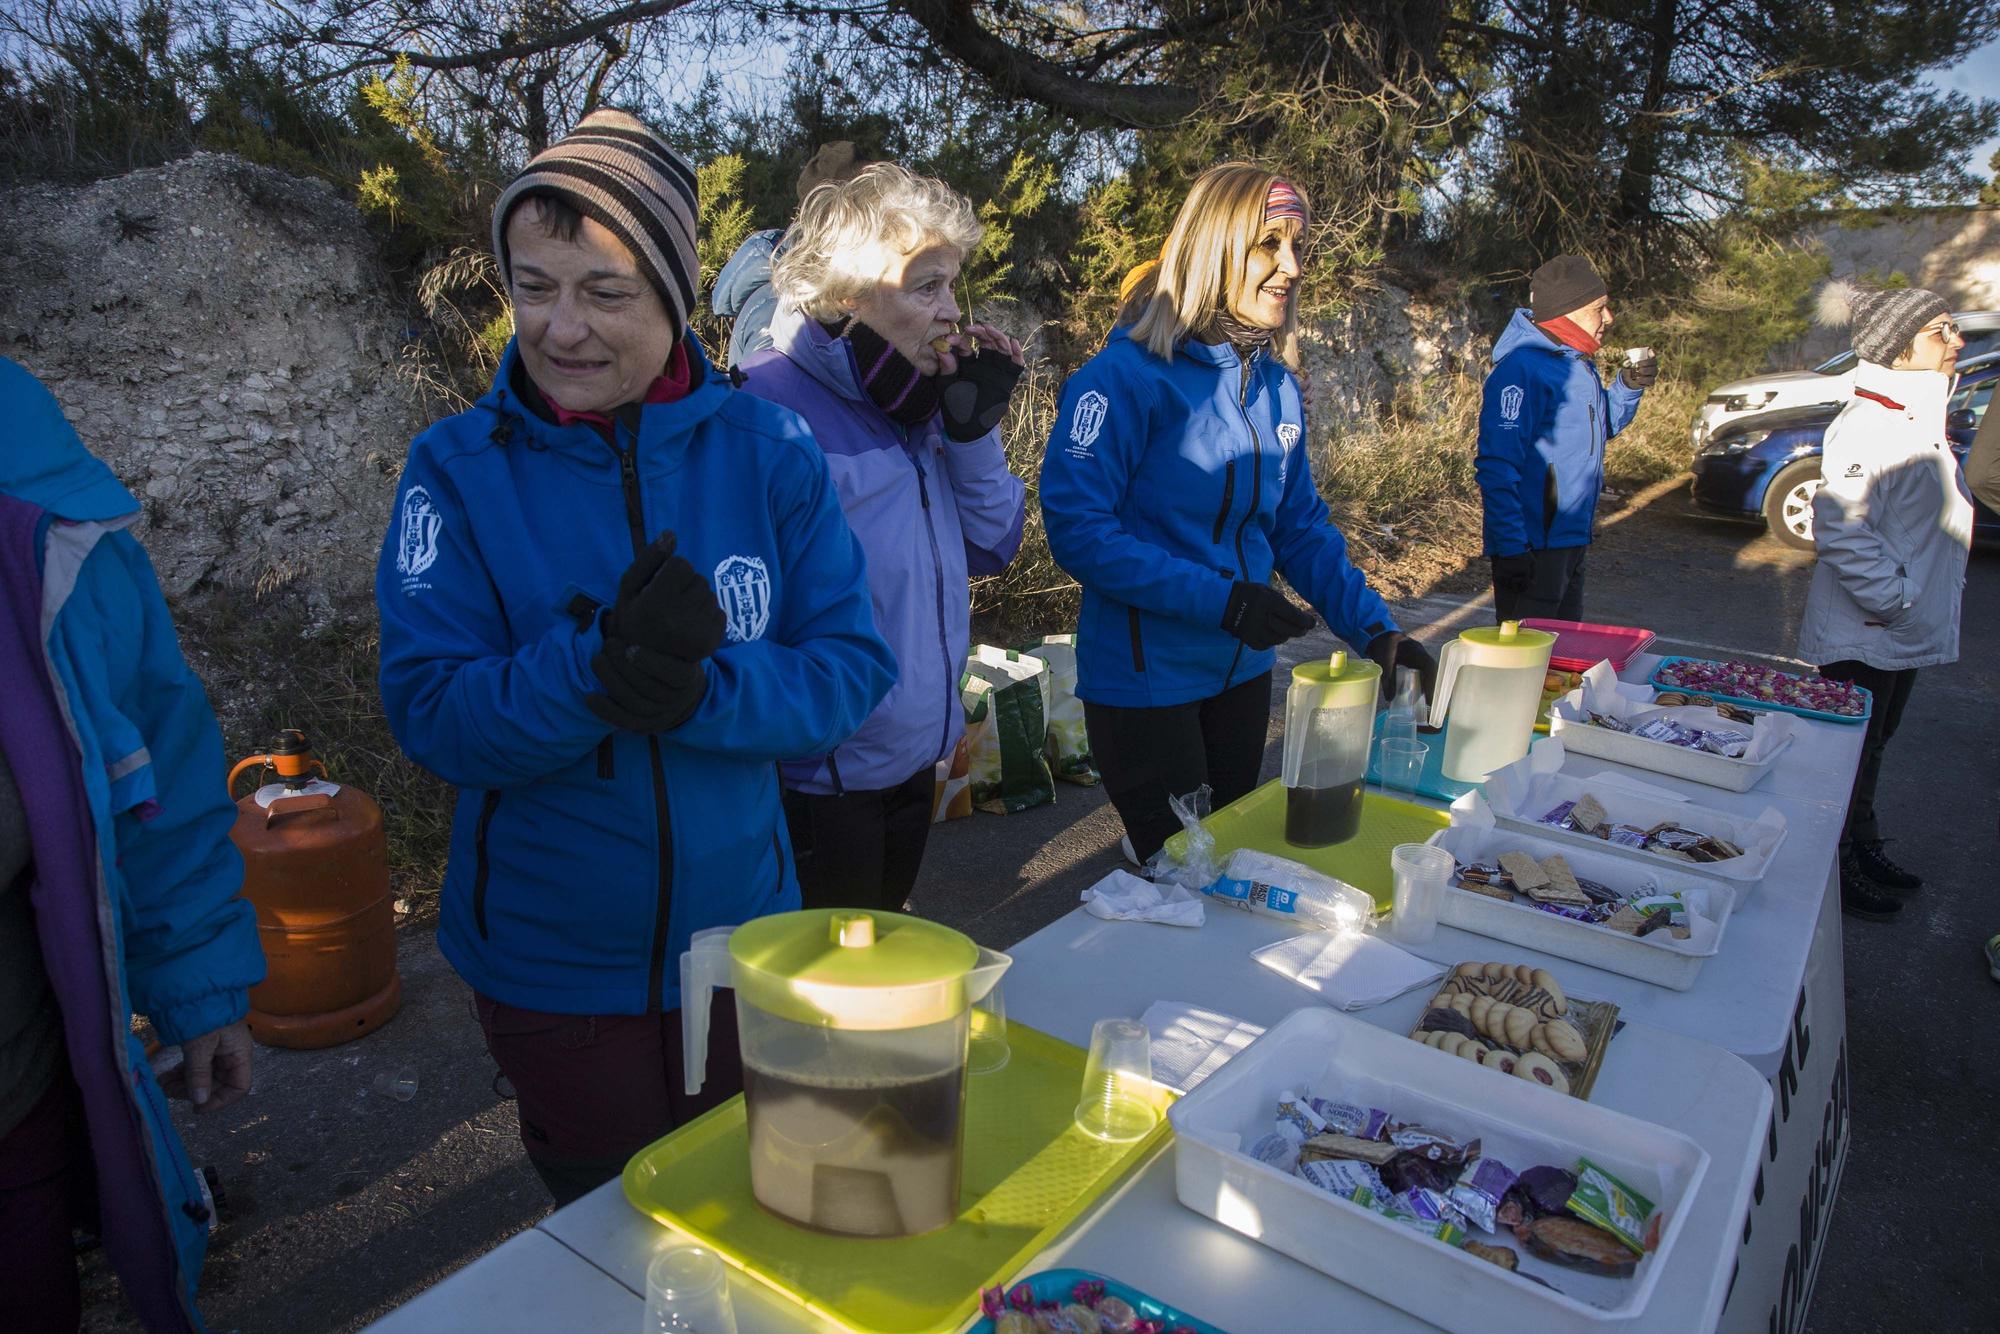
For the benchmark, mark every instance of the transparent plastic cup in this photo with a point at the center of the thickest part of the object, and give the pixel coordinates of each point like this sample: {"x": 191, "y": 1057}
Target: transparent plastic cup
{"x": 987, "y": 1049}
{"x": 1118, "y": 1101}
{"x": 1420, "y": 872}
{"x": 1402, "y": 763}
{"x": 687, "y": 1292}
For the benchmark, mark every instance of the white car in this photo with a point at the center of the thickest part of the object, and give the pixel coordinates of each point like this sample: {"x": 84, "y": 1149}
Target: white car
{"x": 1832, "y": 381}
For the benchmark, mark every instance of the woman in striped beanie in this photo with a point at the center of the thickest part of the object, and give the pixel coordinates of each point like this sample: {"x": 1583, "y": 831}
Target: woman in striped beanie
{"x": 615, "y": 593}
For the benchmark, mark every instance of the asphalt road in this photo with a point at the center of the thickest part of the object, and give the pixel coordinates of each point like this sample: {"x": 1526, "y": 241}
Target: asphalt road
{"x": 340, "y": 1201}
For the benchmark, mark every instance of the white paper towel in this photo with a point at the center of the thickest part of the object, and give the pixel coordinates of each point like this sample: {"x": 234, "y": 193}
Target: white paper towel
{"x": 1124, "y": 897}
{"x": 1190, "y": 1043}
{"x": 1349, "y": 970}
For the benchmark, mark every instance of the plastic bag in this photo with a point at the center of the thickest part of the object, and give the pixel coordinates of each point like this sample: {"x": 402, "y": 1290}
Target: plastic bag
{"x": 1196, "y": 867}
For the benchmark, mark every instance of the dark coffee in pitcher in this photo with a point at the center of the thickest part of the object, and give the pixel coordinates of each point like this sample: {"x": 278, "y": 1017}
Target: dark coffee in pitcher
{"x": 1316, "y": 817}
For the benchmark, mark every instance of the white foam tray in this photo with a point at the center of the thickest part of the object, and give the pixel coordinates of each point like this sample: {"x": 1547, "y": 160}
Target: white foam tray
{"x": 1517, "y": 796}
{"x": 1658, "y": 958}
{"x": 1520, "y": 1123}
{"x": 1570, "y": 722}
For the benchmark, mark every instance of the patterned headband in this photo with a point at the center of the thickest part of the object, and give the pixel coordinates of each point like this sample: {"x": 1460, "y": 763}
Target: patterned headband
{"x": 1284, "y": 202}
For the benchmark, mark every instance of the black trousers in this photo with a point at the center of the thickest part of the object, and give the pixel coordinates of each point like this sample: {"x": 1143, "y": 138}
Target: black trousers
{"x": 1554, "y": 587}
{"x": 861, "y": 849}
{"x": 1148, "y": 755}
{"x": 1891, "y": 689}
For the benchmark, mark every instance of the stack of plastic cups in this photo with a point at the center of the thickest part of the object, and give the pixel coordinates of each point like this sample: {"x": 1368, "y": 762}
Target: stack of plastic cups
{"x": 1421, "y": 872}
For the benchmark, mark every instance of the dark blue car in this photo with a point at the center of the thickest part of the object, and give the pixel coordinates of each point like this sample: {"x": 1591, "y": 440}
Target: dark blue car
{"x": 1768, "y": 467}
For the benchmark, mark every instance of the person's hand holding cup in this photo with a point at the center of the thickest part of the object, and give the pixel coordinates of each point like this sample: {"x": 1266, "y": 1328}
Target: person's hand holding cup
{"x": 1642, "y": 367}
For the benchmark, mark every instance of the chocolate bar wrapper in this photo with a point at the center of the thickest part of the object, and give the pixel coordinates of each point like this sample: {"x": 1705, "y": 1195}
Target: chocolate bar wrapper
{"x": 1603, "y": 1199}
{"x": 1296, "y": 1118}
{"x": 1560, "y": 815}
{"x": 1451, "y": 1234}
{"x": 1626, "y": 836}
{"x": 1480, "y": 1189}
{"x": 1430, "y": 1205}
{"x": 1277, "y": 1150}
{"x": 1344, "y": 1118}
{"x": 1724, "y": 742}
{"x": 1346, "y": 1178}
{"x": 1432, "y": 1144}
{"x": 1669, "y": 731}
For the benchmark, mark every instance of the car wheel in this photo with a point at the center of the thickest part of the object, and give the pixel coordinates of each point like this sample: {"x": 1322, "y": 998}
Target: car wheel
{"x": 1788, "y": 504}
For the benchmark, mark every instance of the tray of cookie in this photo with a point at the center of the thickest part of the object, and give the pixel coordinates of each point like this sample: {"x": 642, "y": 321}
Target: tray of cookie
{"x": 1657, "y": 925}
{"x": 1517, "y": 1020}
{"x": 1623, "y": 816}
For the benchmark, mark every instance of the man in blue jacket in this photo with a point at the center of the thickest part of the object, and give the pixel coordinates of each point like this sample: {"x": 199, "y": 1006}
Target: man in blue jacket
{"x": 1542, "y": 429}
{"x": 615, "y": 593}
{"x": 119, "y": 891}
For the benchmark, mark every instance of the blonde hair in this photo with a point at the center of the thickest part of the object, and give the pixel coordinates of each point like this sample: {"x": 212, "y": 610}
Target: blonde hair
{"x": 1203, "y": 260}
{"x": 846, "y": 231}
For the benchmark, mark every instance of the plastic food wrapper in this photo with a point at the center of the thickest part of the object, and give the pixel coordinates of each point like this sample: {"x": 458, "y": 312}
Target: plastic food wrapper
{"x": 1281, "y": 887}
{"x": 1344, "y": 1118}
{"x": 1124, "y": 897}
{"x": 1481, "y": 1187}
{"x": 1350, "y": 1180}
{"x": 1278, "y": 1150}
{"x": 1603, "y": 1199}
{"x": 1196, "y": 867}
{"x": 1296, "y": 1117}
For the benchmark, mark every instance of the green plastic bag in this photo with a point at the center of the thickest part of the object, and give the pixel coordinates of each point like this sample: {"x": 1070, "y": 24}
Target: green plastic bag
{"x": 1005, "y": 696}
{"x": 1069, "y": 741}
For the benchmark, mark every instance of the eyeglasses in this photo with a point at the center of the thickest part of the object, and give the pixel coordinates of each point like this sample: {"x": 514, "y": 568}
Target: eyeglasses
{"x": 1945, "y": 332}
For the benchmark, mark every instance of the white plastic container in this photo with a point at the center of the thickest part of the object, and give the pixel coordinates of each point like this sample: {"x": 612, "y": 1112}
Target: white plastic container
{"x": 1518, "y": 796}
{"x": 1518, "y": 1122}
{"x": 1569, "y": 720}
{"x": 1658, "y": 958}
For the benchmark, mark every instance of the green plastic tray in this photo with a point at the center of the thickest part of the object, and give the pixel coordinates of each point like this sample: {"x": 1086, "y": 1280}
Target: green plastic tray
{"x": 1028, "y": 1174}
{"x": 1257, "y": 821}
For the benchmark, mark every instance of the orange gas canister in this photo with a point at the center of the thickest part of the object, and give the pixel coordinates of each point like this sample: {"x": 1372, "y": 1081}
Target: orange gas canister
{"x": 316, "y": 867}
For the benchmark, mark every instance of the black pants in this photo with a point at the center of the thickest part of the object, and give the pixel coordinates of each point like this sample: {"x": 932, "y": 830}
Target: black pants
{"x": 1148, "y": 755}
{"x": 1554, "y": 587}
{"x": 861, "y": 849}
{"x": 1891, "y": 689}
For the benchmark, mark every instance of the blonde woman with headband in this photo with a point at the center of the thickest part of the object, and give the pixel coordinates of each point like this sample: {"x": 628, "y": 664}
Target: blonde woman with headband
{"x": 1175, "y": 484}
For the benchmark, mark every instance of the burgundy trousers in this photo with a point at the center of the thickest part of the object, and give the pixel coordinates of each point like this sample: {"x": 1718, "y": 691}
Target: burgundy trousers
{"x": 592, "y": 1090}
{"x": 44, "y": 1169}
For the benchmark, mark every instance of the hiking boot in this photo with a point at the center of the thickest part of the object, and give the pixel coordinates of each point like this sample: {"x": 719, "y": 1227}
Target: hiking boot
{"x": 1875, "y": 864}
{"x": 1862, "y": 897}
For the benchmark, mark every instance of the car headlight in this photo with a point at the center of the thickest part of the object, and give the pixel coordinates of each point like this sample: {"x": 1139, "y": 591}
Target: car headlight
{"x": 1735, "y": 444}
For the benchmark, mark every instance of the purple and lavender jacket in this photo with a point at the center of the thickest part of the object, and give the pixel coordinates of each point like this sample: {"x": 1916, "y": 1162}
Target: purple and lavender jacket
{"x": 929, "y": 512}
{"x": 136, "y": 883}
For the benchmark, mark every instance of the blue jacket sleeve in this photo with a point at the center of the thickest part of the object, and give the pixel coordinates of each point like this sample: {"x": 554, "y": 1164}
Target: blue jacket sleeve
{"x": 1621, "y": 404}
{"x": 808, "y": 684}
{"x": 747, "y": 270}
{"x": 1509, "y": 423}
{"x": 1311, "y": 552}
{"x": 463, "y": 700}
{"x": 190, "y": 939}
{"x": 992, "y": 503}
{"x": 1102, "y": 430}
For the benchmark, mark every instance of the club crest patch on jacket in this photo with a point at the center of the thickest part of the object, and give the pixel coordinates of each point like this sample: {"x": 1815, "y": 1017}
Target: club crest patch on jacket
{"x": 1086, "y": 422}
{"x": 743, "y": 587}
{"x": 1510, "y": 403}
{"x": 417, "y": 538}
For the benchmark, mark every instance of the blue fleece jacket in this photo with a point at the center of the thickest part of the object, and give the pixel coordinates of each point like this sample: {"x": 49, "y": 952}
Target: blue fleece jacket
{"x": 1542, "y": 427}
{"x": 928, "y": 512}
{"x": 582, "y": 857}
{"x": 743, "y": 293}
{"x": 1163, "y": 484}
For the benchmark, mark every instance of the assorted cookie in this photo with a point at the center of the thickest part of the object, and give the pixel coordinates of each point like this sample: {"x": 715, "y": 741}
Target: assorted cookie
{"x": 1508, "y": 1017}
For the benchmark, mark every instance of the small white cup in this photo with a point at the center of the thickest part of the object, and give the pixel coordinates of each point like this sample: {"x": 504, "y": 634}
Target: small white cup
{"x": 687, "y": 1292}
{"x": 1635, "y": 355}
{"x": 1420, "y": 872}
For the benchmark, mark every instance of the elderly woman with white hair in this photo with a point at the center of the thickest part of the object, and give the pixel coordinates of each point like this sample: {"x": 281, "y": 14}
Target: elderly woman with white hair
{"x": 868, "y": 349}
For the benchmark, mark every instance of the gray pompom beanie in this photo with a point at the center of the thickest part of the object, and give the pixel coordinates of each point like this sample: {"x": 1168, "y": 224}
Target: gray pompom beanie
{"x": 1885, "y": 322}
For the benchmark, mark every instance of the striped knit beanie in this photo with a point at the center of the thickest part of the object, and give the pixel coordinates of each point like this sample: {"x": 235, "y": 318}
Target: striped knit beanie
{"x": 1885, "y": 322}
{"x": 619, "y": 173}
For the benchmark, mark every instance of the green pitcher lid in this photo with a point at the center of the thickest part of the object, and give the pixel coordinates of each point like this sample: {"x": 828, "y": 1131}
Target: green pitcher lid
{"x": 1342, "y": 680}
{"x": 1508, "y": 645}
{"x": 850, "y": 968}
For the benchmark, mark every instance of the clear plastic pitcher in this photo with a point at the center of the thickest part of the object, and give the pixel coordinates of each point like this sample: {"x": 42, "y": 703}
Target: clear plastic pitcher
{"x": 1489, "y": 690}
{"x": 853, "y": 1027}
{"x": 1329, "y": 726}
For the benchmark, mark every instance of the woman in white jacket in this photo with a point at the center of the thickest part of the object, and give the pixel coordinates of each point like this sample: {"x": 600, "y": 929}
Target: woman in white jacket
{"x": 1893, "y": 524}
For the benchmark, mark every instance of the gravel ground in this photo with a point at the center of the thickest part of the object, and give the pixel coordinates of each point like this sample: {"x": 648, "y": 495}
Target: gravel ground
{"x": 341, "y": 1202}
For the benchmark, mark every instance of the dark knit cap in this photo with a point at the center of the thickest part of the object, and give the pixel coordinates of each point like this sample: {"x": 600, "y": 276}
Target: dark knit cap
{"x": 1565, "y": 283}
{"x": 1885, "y": 322}
{"x": 833, "y": 162}
{"x": 616, "y": 171}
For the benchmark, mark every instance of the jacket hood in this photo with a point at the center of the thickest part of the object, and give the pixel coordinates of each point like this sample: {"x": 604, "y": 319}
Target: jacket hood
{"x": 1207, "y": 354}
{"x": 1922, "y": 393}
{"x": 827, "y": 359}
{"x": 1522, "y": 331}
{"x": 44, "y": 463}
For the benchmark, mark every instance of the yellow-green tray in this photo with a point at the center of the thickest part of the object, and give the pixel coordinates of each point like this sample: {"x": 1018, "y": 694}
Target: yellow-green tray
{"x": 1257, "y": 821}
{"x": 1029, "y": 1173}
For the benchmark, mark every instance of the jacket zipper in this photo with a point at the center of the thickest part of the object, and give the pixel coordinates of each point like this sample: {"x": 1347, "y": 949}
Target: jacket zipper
{"x": 482, "y": 864}
{"x": 192, "y": 1206}
{"x": 937, "y": 569}
{"x": 1256, "y": 495}
{"x": 833, "y": 772}
{"x": 635, "y": 522}
{"x": 1228, "y": 499}
{"x": 1138, "y": 649}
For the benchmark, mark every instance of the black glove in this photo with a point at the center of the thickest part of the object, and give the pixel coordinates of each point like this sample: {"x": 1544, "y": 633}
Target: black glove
{"x": 1514, "y": 572}
{"x": 1262, "y": 617}
{"x": 1392, "y": 649}
{"x": 1641, "y": 374}
{"x": 974, "y": 397}
{"x": 664, "y": 604}
{"x": 644, "y": 690}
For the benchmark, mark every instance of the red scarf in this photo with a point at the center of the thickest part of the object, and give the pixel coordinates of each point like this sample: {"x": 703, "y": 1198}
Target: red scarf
{"x": 1569, "y": 334}
{"x": 673, "y": 384}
